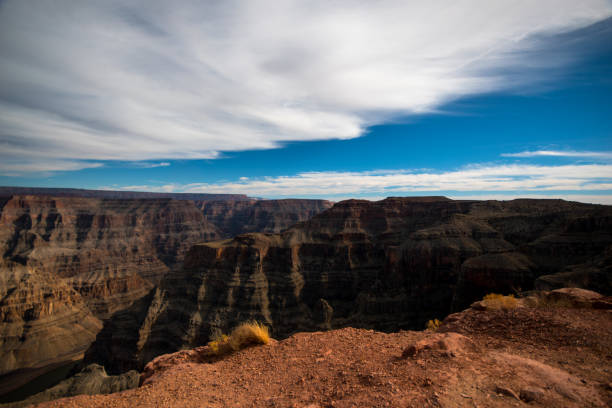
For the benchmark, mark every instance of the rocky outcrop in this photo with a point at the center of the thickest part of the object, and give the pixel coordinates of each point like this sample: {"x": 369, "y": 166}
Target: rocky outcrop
{"x": 43, "y": 322}
{"x": 387, "y": 265}
{"x": 234, "y": 217}
{"x": 91, "y": 380}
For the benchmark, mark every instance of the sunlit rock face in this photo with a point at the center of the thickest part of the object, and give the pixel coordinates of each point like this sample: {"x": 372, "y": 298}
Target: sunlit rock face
{"x": 387, "y": 265}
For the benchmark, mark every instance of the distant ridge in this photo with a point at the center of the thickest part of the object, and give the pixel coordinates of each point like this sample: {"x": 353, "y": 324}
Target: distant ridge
{"x": 78, "y": 192}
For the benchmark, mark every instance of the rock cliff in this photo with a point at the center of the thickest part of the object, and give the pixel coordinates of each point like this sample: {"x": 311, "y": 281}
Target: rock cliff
{"x": 43, "y": 322}
{"x": 234, "y": 217}
{"x": 99, "y": 256}
{"x": 110, "y": 251}
{"x": 65, "y": 258}
{"x": 387, "y": 265}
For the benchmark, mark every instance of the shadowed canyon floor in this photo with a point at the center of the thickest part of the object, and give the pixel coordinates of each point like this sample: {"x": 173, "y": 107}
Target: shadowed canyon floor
{"x": 555, "y": 351}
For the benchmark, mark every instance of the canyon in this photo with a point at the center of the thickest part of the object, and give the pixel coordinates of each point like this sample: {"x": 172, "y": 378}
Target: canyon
{"x": 72, "y": 261}
{"x": 387, "y": 265}
{"x": 548, "y": 349}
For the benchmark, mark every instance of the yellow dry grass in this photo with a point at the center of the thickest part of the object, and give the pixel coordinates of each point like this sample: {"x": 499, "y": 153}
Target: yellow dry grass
{"x": 433, "y": 325}
{"x": 243, "y": 335}
{"x": 497, "y": 301}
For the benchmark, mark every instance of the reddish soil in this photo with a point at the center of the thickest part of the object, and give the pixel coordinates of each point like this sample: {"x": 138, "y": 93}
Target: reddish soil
{"x": 478, "y": 358}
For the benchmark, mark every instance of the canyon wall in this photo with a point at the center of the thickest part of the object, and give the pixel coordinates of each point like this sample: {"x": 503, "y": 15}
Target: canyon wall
{"x": 234, "y": 217}
{"x": 69, "y": 262}
{"x": 387, "y": 265}
{"x": 43, "y": 323}
{"x": 110, "y": 251}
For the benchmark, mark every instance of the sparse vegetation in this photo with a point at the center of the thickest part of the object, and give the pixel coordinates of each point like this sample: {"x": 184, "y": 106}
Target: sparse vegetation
{"x": 243, "y": 335}
{"x": 433, "y": 325}
{"x": 497, "y": 301}
{"x": 551, "y": 302}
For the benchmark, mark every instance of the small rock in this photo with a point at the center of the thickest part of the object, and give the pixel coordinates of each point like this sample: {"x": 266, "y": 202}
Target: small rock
{"x": 507, "y": 392}
{"x": 531, "y": 394}
{"x": 479, "y": 305}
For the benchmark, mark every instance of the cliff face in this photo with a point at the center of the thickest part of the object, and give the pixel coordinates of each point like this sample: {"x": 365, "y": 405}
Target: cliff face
{"x": 67, "y": 262}
{"x": 386, "y": 265}
{"x": 110, "y": 251}
{"x": 234, "y": 217}
{"x": 43, "y": 321}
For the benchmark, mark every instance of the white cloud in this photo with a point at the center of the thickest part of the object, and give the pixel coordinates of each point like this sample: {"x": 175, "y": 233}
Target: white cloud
{"x": 152, "y": 165}
{"x": 592, "y": 180}
{"x": 560, "y": 153}
{"x": 153, "y": 80}
{"x": 20, "y": 168}
{"x": 166, "y": 188}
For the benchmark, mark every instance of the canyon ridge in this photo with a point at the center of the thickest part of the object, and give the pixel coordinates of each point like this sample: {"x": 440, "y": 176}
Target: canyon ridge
{"x": 387, "y": 265}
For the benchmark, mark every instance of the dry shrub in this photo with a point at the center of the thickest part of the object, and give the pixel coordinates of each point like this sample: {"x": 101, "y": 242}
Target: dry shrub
{"x": 243, "y": 335}
{"x": 433, "y": 325}
{"x": 497, "y": 301}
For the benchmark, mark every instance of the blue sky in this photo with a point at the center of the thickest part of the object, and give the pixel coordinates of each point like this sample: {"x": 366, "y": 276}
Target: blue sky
{"x": 516, "y": 103}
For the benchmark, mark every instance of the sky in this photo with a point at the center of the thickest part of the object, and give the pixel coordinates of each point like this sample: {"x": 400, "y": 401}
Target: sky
{"x": 310, "y": 99}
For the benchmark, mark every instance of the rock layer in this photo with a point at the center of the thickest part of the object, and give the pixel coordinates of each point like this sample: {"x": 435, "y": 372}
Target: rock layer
{"x": 66, "y": 258}
{"x": 234, "y": 217}
{"x": 387, "y": 265}
{"x": 43, "y": 322}
{"x": 110, "y": 251}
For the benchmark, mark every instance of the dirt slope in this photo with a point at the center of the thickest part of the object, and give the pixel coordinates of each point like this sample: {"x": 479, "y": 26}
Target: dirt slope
{"x": 552, "y": 355}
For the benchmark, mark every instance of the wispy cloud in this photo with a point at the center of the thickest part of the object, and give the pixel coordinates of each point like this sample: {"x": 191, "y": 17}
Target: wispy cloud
{"x": 150, "y": 80}
{"x": 151, "y": 165}
{"x": 480, "y": 180}
{"x": 20, "y": 168}
{"x": 166, "y": 188}
{"x": 560, "y": 153}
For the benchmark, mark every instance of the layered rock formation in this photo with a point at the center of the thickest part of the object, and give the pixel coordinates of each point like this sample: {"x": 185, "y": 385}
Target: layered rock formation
{"x": 110, "y": 251}
{"x": 78, "y": 256}
{"x": 43, "y": 322}
{"x": 387, "y": 265}
{"x": 234, "y": 217}
{"x": 66, "y": 258}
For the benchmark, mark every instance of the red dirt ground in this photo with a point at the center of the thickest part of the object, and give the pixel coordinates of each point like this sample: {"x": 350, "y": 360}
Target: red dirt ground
{"x": 528, "y": 356}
